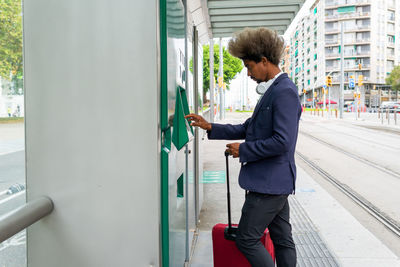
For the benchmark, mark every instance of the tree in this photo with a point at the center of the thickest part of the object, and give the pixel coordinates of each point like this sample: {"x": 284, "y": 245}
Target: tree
{"x": 11, "y": 40}
{"x": 394, "y": 80}
{"x": 232, "y": 66}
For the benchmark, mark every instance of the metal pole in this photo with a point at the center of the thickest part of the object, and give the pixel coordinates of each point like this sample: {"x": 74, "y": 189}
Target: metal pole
{"x": 313, "y": 98}
{"x": 187, "y": 251}
{"x": 212, "y": 80}
{"x": 221, "y": 74}
{"x": 247, "y": 93}
{"x": 196, "y": 130}
{"x": 242, "y": 90}
{"x": 329, "y": 101}
{"x": 356, "y": 101}
{"x": 341, "y": 100}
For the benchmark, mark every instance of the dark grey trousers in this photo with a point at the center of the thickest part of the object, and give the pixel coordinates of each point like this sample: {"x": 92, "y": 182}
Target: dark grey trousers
{"x": 259, "y": 212}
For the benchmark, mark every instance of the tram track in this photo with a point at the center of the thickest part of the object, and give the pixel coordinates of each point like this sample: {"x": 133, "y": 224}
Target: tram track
{"x": 352, "y": 155}
{"x": 365, "y": 140}
{"x": 374, "y": 211}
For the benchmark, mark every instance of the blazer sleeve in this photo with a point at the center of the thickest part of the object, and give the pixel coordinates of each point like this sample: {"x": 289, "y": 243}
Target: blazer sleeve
{"x": 228, "y": 131}
{"x": 285, "y": 110}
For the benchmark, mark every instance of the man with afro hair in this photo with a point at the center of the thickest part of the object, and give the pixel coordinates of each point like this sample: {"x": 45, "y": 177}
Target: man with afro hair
{"x": 268, "y": 171}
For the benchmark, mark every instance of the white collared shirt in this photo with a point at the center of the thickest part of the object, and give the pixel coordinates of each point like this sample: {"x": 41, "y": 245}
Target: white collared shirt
{"x": 262, "y": 87}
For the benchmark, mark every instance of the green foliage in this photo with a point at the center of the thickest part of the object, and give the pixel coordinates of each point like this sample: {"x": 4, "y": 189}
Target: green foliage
{"x": 394, "y": 78}
{"x": 11, "y": 39}
{"x": 232, "y": 66}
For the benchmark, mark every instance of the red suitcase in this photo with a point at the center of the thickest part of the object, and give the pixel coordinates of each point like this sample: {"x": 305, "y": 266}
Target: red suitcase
{"x": 225, "y": 252}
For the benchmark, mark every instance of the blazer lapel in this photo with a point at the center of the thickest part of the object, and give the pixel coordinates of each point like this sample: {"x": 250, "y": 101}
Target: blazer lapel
{"x": 267, "y": 94}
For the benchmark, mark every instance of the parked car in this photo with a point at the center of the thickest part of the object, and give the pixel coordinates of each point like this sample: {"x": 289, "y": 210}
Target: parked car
{"x": 388, "y": 104}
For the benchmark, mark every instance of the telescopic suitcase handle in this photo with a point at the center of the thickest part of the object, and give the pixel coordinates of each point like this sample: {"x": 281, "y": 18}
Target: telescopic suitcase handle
{"x": 230, "y": 232}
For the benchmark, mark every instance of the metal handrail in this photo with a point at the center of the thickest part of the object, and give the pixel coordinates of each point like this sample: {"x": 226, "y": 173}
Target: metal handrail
{"x": 24, "y": 216}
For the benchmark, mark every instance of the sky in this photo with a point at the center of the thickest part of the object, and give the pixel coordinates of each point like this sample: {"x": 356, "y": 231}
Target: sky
{"x": 234, "y": 97}
{"x": 305, "y": 9}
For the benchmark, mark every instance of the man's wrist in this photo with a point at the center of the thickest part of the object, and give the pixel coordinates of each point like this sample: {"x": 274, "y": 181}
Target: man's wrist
{"x": 209, "y": 127}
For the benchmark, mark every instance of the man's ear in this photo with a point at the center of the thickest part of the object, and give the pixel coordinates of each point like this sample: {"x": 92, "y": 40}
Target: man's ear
{"x": 264, "y": 60}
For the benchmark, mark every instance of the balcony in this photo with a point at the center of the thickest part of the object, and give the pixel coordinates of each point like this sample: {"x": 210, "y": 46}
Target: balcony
{"x": 336, "y": 79}
{"x": 352, "y": 29}
{"x": 347, "y": 16}
{"x": 333, "y": 4}
{"x": 361, "y": 27}
{"x": 333, "y": 42}
{"x": 348, "y": 54}
{"x": 347, "y": 68}
{"x": 362, "y": 40}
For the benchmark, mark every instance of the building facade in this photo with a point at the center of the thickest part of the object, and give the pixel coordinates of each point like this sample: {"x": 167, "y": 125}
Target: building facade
{"x": 370, "y": 49}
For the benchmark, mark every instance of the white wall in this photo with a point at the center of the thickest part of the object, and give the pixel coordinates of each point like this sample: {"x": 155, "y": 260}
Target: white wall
{"x": 92, "y": 141}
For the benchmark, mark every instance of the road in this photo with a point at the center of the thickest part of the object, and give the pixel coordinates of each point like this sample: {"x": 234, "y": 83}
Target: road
{"x": 12, "y": 170}
{"x": 362, "y": 157}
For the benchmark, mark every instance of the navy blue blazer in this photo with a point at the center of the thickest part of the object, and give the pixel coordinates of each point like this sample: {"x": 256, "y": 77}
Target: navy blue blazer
{"x": 267, "y": 155}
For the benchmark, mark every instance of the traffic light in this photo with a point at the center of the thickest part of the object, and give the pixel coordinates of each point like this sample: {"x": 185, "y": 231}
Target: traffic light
{"x": 315, "y": 94}
{"x": 220, "y": 81}
{"x": 360, "y": 80}
{"x": 328, "y": 80}
{"x": 304, "y": 91}
{"x": 355, "y": 95}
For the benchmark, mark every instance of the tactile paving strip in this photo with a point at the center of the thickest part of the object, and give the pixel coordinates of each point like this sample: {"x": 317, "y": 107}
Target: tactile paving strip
{"x": 311, "y": 250}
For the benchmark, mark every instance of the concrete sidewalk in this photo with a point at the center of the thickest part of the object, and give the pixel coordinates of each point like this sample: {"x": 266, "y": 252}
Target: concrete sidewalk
{"x": 333, "y": 236}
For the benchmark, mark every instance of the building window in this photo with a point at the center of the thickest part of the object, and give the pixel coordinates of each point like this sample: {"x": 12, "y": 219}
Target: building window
{"x": 391, "y": 15}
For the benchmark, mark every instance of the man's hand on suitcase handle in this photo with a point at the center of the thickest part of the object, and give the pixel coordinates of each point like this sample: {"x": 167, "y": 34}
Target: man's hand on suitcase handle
{"x": 233, "y": 149}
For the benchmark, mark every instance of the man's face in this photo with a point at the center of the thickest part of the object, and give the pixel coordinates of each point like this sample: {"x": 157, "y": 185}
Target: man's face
{"x": 256, "y": 71}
